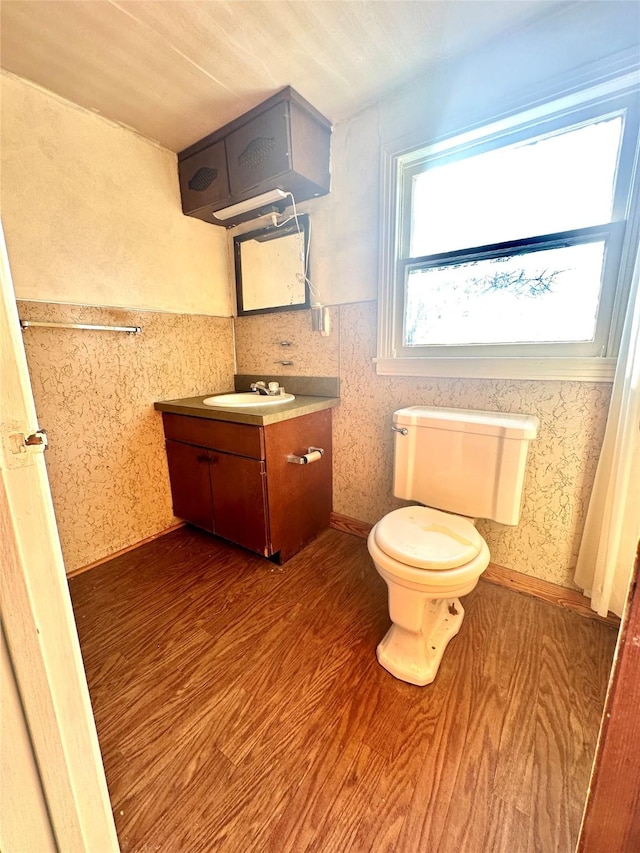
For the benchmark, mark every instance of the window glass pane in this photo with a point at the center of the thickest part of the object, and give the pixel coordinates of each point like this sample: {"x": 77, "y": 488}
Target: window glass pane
{"x": 556, "y": 183}
{"x": 546, "y": 296}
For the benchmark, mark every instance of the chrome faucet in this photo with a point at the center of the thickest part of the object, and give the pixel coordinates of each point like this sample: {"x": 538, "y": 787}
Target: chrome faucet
{"x": 272, "y": 390}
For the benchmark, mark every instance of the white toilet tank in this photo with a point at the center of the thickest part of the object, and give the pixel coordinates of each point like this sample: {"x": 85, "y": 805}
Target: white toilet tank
{"x": 462, "y": 461}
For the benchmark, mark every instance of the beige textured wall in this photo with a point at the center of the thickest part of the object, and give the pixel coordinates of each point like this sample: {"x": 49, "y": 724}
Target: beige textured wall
{"x": 345, "y": 225}
{"x": 92, "y": 215}
{"x": 561, "y": 463}
{"x": 259, "y": 345}
{"x": 94, "y": 394}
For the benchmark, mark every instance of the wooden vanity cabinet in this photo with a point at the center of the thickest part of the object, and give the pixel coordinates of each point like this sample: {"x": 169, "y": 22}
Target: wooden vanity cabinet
{"x": 234, "y": 480}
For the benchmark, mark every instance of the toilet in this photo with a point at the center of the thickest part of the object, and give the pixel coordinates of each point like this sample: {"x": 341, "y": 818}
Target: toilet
{"x": 458, "y": 465}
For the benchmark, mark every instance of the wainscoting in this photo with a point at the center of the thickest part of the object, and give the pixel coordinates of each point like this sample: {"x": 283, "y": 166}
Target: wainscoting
{"x": 94, "y": 394}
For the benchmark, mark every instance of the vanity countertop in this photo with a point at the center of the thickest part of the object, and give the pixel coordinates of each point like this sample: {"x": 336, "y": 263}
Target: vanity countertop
{"x": 256, "y": 415}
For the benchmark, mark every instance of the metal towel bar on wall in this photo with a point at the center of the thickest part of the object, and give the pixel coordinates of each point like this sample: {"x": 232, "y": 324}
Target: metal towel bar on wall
{"x": 131, "y": 330}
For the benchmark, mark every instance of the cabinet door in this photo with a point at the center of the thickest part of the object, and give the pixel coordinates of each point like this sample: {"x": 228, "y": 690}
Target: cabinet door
{"x": 239, "y": 500}
{"x": 259, "y": 150}
{"x": 190, "y": 483}
{"x": 203, "y": 178}
{"x": 300, "y": 496}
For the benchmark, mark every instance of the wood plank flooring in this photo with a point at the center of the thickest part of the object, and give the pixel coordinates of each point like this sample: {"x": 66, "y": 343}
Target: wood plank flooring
{"x": 240, "y": 707}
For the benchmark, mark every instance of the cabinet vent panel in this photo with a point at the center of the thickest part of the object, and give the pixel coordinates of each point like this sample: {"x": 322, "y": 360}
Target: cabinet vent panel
{"x": 257, "y": 152}
{"x": 203, "y": 179}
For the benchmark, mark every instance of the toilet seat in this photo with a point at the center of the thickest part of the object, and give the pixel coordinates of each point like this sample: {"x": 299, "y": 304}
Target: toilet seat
{"x": 424, "y": 538}
{"x": 438, "y": 582}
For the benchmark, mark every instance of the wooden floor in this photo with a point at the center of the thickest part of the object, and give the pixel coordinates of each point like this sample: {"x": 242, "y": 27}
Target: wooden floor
{"x": 240, "y": 707}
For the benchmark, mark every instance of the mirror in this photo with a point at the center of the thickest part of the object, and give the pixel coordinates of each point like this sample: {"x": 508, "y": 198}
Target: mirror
{"x": 272, "y": 268}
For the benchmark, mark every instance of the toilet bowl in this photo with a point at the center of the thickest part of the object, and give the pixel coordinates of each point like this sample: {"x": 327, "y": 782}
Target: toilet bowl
{"x": 428, "y": 559}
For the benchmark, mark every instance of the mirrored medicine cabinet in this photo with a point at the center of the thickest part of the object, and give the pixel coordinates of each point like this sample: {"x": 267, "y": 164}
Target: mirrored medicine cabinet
{"x": 272, "y": 268}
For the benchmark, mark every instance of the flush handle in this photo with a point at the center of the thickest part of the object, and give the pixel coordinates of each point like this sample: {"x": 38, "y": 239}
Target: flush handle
{"x": 401, "y": 430}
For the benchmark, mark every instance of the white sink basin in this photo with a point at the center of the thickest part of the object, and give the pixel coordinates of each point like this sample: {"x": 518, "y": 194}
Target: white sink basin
{"x": 247, "y": 399}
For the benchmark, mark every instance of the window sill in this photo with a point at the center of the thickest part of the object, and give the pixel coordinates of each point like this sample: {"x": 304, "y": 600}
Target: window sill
{"x": 572, "y": 369}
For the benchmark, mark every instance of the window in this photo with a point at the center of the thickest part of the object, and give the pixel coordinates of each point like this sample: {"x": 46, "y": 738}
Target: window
{"x": 505, "y": 248}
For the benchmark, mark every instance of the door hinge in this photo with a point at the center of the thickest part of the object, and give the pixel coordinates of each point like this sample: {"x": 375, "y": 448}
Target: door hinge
{"x": 21, "y": 443}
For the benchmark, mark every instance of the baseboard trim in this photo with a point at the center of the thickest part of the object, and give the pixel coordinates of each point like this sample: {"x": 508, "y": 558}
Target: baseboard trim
{"x": 569, "y": 599}
{"x": 82, "y": 569}
{"x": 349, "y": 525}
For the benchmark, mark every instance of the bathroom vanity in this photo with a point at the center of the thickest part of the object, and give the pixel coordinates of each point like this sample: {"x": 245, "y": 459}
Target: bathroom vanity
{"x": 234, "y": 472}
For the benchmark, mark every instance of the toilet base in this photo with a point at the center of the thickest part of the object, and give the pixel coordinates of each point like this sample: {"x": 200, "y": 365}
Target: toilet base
{"x": 414, "y": 656}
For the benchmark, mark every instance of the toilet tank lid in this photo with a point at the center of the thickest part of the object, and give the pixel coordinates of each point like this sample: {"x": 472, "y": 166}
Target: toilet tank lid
{"x": 503, "y": 424}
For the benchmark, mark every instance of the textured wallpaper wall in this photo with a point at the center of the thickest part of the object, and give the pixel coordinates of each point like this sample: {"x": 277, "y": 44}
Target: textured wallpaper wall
{"x": 94, "y": 394}
{"x": 561, "y": 463}
{"x": 259, "y": 345}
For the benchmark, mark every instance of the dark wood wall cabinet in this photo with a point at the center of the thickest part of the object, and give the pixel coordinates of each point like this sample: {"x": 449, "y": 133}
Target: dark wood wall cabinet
{"x": 283, "y": 143}
{"x": 234, "y": 480}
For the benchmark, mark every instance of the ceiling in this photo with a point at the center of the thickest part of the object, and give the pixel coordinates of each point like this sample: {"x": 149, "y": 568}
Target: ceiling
{"x": 175, "y": 70}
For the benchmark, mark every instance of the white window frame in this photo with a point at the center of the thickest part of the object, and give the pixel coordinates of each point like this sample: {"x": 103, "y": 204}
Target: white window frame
{"x": 397, "y": 161}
